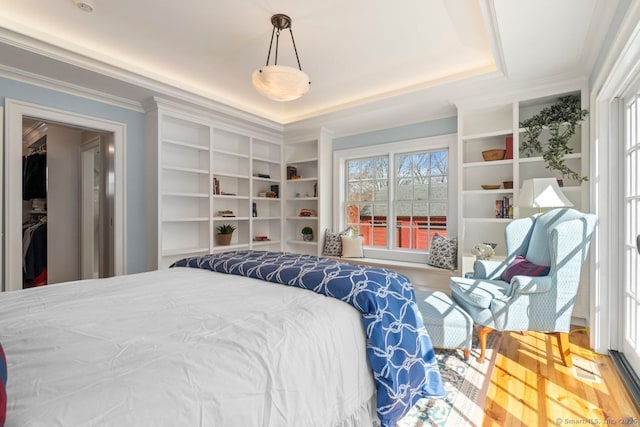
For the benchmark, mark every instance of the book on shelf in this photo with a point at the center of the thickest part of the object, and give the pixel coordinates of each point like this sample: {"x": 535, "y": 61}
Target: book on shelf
{"x": 276, "y": 190}
{"x": 504, "y": 207}
{"x": 268, "y": 194}
{"x": 508, "y": 147}
{"x": 291, "y": 172}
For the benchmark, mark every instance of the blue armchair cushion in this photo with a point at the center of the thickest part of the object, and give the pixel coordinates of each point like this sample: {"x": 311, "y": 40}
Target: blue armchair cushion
{"x": 478, "y": 292}
{"x": 520, "y": 266}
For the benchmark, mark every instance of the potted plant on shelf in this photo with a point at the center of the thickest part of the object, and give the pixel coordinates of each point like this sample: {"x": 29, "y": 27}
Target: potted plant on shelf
{"x": 561, "y": 119}
{"x": 225, "y": 232}
{"x": 307, "y": 234}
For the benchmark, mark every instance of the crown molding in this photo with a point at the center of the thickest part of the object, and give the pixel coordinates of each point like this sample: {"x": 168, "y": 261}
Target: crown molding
{"x": 236, "y": 124}
{"x": 488, "y": 10}
{"x": 68, "y": 88}
{"x": 512, "y": 91}
{"x": 152, "y": 86}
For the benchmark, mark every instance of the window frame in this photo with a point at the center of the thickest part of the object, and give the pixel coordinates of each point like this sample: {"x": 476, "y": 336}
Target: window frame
{"x": 392, "y": 149}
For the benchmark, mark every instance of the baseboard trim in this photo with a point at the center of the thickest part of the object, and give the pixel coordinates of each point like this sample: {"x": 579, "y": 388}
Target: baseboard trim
{"x": 628, "y": 375}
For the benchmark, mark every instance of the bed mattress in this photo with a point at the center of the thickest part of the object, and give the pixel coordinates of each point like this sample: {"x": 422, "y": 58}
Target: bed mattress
{"x": 183, "y": 347}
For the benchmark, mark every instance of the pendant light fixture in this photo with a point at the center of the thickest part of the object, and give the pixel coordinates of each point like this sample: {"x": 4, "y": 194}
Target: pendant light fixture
{"x": 280, "y": 82}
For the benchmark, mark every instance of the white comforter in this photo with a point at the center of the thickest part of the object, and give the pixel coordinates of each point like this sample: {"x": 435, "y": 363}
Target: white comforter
{"x": 183, "y": 347}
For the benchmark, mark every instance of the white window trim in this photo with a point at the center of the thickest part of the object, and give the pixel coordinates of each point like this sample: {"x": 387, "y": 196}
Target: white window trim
{"x": 444, "y": 142}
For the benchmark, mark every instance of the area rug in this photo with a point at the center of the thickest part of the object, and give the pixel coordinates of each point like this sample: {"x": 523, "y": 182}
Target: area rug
{"x": 465, "y": 383}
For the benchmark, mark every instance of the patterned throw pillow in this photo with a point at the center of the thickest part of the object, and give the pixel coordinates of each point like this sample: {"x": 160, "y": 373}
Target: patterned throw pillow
{"x": 333, "y": 242}
{"x": 443, "y": 252}
{"x": 522, "y": 267}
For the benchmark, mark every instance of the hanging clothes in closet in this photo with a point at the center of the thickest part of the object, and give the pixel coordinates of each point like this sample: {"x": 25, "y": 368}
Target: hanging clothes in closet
{"x": 34, "y": 176}
{"x": 34, "y": 252}
{"x": 34, "y": 230}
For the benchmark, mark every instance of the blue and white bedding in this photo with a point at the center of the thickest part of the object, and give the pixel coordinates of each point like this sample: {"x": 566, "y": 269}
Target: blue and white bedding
{"x": 398, "y": 348}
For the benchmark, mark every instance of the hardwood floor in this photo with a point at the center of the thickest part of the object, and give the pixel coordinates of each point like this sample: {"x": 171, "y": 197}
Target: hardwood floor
{"x": 531, "y": 387}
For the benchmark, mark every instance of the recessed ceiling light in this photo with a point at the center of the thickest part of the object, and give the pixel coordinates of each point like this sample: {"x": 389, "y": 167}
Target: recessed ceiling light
{"x": 85, "y": 5}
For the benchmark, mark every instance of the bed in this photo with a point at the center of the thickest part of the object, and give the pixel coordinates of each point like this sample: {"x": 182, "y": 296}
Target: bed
{"x": 192, "y": 346}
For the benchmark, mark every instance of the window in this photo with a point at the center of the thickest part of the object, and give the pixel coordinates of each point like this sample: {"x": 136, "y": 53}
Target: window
{"x": 396, "y": 198}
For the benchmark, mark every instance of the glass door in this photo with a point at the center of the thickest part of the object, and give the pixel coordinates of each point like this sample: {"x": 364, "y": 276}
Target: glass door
{"x": 631, "y": 233}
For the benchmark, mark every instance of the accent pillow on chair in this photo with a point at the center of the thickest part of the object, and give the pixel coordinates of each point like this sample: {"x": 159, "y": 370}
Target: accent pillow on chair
{"x": 522, "y": 267}
{"x": 443, "y": 252}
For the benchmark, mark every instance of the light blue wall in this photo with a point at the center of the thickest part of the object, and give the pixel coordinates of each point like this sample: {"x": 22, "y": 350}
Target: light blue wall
{"x": 437, "y": 127}
{"x": 134, "y": 156}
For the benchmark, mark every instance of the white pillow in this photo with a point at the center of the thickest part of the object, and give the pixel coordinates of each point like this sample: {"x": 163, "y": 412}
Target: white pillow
{"x": 352, "y": 247}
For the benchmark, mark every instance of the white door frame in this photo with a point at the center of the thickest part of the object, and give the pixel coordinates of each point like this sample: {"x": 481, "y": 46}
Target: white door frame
{"x": 15, "y": 111}
{"x": 87, "y": 203}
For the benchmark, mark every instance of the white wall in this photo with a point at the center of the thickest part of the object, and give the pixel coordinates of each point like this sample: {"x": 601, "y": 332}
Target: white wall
{"x": 63, "y": 203}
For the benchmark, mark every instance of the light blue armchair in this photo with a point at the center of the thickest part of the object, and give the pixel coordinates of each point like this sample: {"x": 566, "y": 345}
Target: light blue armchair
{"x": 559, "y": 239}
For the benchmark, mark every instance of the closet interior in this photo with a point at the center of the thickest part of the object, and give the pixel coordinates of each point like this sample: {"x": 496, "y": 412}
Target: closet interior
{"x": 67, "y": 205}
{"x": 34, "y": 221}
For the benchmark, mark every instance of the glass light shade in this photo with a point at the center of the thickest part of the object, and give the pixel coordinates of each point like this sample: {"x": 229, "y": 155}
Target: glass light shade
{"x": 542, "y": 193}
{"x": 280, "y": 83}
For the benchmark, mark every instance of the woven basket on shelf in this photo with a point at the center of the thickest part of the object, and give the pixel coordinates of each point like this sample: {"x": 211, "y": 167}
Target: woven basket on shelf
{"x": 495, "y": 154}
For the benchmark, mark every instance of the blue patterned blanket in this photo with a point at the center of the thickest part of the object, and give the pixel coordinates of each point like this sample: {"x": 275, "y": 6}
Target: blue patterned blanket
{"x": 398, "y": 347}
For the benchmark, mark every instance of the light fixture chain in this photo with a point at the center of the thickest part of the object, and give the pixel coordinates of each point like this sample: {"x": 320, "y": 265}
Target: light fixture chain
{"x": 277, "y": 43}
{"x": 270, "y": 44}
{"x": 294, "y": 49}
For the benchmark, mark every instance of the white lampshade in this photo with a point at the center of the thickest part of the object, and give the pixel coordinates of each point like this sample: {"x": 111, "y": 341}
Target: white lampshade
{"x": 280, "y": 83}
{"x": 542, "y": 193}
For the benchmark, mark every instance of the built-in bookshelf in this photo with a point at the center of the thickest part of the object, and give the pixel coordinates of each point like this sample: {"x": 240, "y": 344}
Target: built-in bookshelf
{"x": 487, "y": 126}
{"x": 204, "y": 173}
{"x": 266, "y": 195}
{"x": 308, "y": 192}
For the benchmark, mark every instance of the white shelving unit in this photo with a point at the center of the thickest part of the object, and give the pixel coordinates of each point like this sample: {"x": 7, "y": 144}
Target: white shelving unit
{"x": 266, "y": 177}
{"x": 311, "y": 158}
{"x": 484, "y": 126}
{"x": 198, "y": 168}
{"x": 181, "y": 176}
{"x": 231, "y": 171}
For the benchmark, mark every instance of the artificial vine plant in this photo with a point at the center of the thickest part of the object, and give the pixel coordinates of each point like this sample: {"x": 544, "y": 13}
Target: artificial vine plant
{"x": 561, "y": 119}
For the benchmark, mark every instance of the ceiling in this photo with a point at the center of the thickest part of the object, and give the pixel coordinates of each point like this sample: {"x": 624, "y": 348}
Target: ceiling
{"x": 375, "y": 56}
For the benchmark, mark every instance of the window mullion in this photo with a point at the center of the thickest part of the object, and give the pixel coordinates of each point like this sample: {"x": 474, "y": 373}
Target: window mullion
{"x": 391, "y": 208}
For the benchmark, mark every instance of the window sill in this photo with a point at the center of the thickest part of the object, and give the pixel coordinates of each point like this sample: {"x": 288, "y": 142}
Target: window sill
{"x": 391, "y": 264}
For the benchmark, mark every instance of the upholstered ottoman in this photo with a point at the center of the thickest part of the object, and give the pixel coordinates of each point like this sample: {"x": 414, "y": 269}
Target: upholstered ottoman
{"x": 448, "y": 325}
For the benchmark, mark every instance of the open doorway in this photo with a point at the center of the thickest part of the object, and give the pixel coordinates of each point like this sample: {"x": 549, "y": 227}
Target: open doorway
{"x": 91, "y": 142}
{"x": 67, "y": 206}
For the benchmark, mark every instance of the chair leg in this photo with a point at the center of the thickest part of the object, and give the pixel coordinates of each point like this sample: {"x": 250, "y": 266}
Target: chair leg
{"x": 467, "y": 353}
{"x": 482, "y": 338}
{"x": 565, "y": 349}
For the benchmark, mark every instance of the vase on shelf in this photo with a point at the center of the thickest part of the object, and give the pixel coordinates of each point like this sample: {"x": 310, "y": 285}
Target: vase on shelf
{"x": 223, "y": 239}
